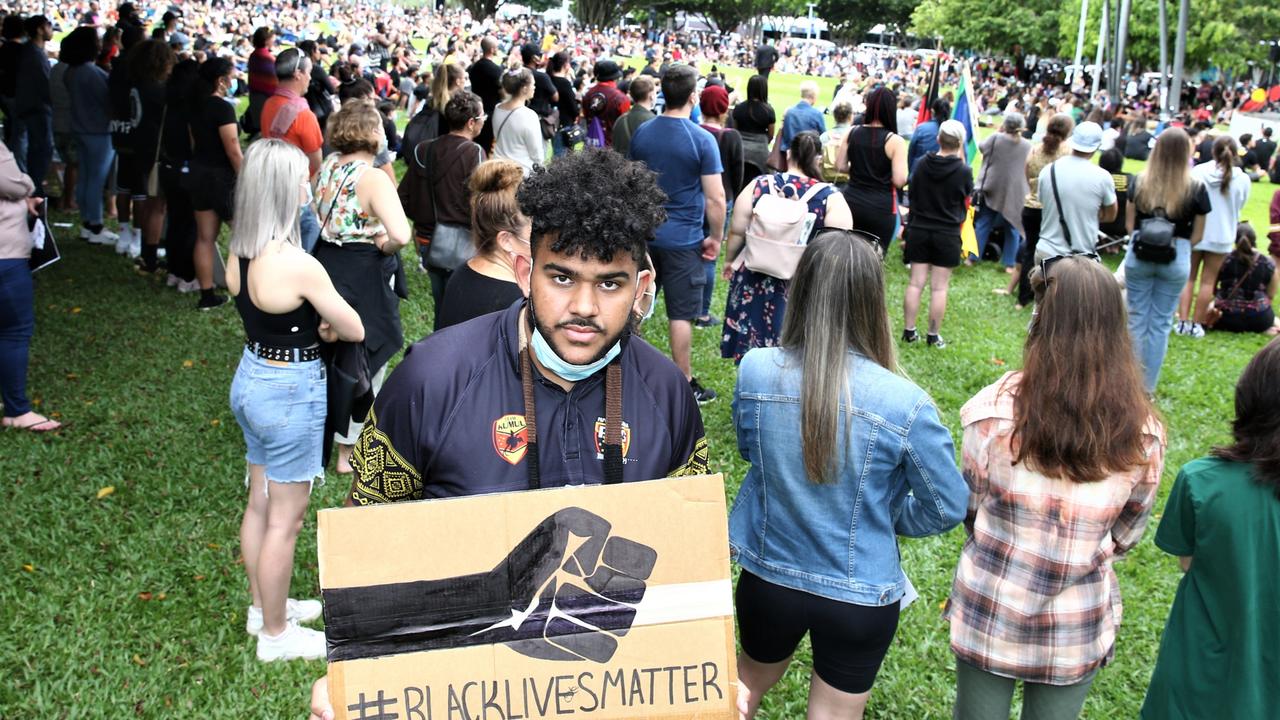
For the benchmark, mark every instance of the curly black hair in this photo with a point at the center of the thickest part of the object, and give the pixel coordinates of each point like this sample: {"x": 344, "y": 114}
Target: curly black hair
{"x": 594, "y": 203}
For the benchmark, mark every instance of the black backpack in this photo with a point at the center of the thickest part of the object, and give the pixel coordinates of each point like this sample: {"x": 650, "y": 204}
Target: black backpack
{"x": 424, "y": 126}
{"x": 1154, "y": 239}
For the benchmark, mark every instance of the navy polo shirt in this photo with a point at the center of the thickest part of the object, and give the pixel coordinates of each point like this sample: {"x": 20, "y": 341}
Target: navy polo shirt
{"x": 450, "y": 420}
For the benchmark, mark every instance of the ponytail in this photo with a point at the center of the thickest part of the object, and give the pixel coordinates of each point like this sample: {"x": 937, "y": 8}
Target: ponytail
{"x": 806, "y": 153}
{"x": 1224, "y": 154}
{"x": 1246, "y": 243}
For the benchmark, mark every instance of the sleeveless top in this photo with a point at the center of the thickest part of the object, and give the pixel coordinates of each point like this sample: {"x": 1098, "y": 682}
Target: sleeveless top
{"x": 342, "y": 221}
{"x": 294, "y": 329}
{"x": 870, "y": 170}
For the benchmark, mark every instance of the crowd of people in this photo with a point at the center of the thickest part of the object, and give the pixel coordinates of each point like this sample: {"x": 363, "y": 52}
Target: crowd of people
{"x": 550, "y": 194}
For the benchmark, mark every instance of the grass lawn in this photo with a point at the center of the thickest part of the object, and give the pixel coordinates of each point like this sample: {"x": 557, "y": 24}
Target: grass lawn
{"x": 124, "y": 595}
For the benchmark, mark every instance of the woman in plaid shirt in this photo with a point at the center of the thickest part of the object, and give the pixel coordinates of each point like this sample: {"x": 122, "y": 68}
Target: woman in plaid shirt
{"x": 1063, "y": 460}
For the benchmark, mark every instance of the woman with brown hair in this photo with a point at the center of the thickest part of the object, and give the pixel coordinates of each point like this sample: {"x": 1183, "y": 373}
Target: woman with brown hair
{"x": 1217, "y": 652}
{"x": 1228, "y": 187}
{"x": 1063, "y": 461}
{"x": 1246, "y": 284}
{"x": 487, "y": 282}
{"x": 846, "y": 455}
{"x": 1165, "y": 189}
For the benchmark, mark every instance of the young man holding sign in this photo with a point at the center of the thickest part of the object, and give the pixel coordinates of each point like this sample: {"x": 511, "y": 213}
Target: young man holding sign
{"x": 457, "y": 417}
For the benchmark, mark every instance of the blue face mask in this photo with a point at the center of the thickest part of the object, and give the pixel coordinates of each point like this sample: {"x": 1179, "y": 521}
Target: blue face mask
{"x": 573, "y": 373}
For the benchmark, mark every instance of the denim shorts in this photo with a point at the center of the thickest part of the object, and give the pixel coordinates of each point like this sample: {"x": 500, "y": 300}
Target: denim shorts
{"x": 281, "y": 409}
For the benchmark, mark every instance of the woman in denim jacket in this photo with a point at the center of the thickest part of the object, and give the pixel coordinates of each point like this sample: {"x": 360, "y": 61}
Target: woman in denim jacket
{"x": 815, "y": 524}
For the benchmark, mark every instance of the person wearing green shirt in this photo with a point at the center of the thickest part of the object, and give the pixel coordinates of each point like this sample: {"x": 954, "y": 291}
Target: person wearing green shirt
{"x": 1220, "y": 646}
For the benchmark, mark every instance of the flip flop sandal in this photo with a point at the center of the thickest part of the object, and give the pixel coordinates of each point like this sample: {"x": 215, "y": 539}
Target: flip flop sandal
{"x": 37, "y": 427}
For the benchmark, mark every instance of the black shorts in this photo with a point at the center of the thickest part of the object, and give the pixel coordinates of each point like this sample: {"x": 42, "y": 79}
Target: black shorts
{"x": 212, "y": 188}
{"x": 849, "y": 641}
{"x": 940, "y": 248}
{"x": 131, "y": 176}
{"x": 682, "y": 277}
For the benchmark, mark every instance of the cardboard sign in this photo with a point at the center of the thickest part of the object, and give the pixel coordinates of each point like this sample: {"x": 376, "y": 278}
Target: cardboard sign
{"x": 606, "y": 601}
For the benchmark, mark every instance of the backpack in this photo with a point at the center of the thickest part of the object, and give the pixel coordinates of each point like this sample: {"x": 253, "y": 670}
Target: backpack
{"x": 1154, "y": 239}
{"x": 424, "y": 126}
{"x": 830, "y": 154}
{"x": 779, "y": 229}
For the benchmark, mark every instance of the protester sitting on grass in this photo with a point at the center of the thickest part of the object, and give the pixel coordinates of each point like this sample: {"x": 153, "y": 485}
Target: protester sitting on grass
{"x": 288, "y": 305}
{"x": 1246, "y": 285}
{"x": 866, "y": 459}
{"x": 940, "y": 188}
{"x": 1217, "y": 650}
{"x": 1228, "y": 192}
{"x": 1063, "y": 461}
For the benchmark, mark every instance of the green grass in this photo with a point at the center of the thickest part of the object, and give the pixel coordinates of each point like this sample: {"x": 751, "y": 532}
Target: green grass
{"x": 132, "y": 605}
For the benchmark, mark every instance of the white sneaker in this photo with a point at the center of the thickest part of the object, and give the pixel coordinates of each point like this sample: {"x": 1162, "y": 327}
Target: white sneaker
{"x": 135, "y": 245}
{"x": 124, "y": 240}
{"x": 172, "y": 280}
{"x": 188, "y": 286}
{"x": 1196, "y": 331}
{"x": 106, "y": 237}
{"x": 297, "y": 611}
{"x": 295, "y": 643}
{"x": 161, "y": 253}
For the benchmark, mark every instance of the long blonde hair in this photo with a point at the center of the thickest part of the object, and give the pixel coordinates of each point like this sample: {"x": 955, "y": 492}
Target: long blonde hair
{"x": 268, "y": 197}
{"x": 1166, "y": 182}
{"x": 446, "y": 75}
{"x": 836, "y": 304}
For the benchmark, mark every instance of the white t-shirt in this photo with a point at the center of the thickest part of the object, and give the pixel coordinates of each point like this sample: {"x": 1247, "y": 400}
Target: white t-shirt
{"x": 518, "y": 137}
{"x": 1085, "y": 189}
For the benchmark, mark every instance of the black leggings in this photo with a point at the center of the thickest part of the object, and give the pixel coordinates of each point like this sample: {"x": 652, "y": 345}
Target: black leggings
{"x": 1031, "y": 224}
{"x": 849, "y": 641}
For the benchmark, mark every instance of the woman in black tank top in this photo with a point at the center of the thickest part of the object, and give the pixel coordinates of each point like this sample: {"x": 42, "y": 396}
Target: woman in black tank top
{"x": 875, "y": 157}
{"x": 279, "y": 393}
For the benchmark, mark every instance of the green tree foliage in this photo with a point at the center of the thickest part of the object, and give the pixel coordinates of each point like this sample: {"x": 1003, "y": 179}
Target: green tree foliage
{"x": 990, "y": 25}
{"x": 853, "y": 18}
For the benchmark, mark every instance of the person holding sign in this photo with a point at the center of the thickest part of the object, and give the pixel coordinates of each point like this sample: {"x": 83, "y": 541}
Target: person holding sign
{"x": 554, "y": 390}
{"x": 872, "y": 461}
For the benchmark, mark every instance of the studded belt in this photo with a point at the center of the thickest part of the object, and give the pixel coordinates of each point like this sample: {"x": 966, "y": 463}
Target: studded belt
{"x": 279, "y": 354}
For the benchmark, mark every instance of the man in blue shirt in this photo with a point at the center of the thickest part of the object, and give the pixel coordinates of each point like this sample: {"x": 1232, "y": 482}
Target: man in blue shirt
{"x": 804, "y": 116}
{"x": 687, "y": 161}
{"x": 924, "y": 139}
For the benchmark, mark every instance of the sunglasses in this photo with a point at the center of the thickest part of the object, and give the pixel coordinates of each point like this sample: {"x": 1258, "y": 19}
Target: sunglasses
{"x": 1048, "y": 262}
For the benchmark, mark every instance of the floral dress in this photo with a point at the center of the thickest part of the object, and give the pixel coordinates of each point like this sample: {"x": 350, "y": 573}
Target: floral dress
{"x": 757, "y": 302}
{"x": 338, "y": 208}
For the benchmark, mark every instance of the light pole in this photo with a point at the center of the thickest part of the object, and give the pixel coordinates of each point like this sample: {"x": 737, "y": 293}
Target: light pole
{"x": 809, "y": 31}
{"x": 1084, "y": 16}
{"x": 1164, "y": 55}
{"x": 1102, "y": 47}
{"x": 1122, "y": 39}
{"x": 1179, "y": 55}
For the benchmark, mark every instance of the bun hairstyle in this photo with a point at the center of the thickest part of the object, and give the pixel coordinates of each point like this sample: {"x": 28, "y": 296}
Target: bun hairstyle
{"x": 1225, "y": 151}
{"x": 493, "y": 187}
{"x": 515, "y": 79}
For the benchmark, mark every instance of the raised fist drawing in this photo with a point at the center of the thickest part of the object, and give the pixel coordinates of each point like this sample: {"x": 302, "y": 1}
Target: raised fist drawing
{"x": 566, "y": 591}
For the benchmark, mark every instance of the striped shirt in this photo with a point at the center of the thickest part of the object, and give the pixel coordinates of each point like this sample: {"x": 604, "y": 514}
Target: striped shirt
{"x": 1035, "y": 596}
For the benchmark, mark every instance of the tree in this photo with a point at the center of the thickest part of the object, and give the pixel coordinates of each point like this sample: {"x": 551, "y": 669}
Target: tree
{"x": 992, "y": 25}
{"x": 853, "y": 18}
{"x": 482, "y": 8}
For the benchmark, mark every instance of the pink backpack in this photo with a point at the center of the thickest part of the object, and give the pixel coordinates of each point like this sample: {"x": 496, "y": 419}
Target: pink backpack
{"x": 779, "y": 229}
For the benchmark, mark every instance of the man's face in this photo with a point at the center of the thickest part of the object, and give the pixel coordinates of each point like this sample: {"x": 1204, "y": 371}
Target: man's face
{"x": 581, "y": 307}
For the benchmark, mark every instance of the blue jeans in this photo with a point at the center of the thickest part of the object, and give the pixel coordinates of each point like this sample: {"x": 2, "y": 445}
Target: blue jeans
{"x": 281, "y": 409}
{"x": 989, "y": 219}
{"x": 96, "y": 155}
{"x": 39, "y": 147}
{"x": 309, "y": 224}
{"x": 558, "y": 147}
{"x": 1153, "y": 290}
{"x": 17, "y": 323}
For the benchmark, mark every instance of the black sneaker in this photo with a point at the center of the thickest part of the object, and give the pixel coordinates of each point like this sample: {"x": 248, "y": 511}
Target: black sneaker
{"x": 701, "y": 394}
{"x": 935, "y": 341}
{"x": 706, "y": 321}
{"x": 209, "y": 302}
{"x": 909, "y": 336}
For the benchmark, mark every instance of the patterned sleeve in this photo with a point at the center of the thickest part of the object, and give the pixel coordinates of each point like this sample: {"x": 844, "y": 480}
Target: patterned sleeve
{"x": 689, "y": 452}
{"x": 973, "y": 465}
{"x": 389, "y": 455}
{"x": 1133, "y": 518}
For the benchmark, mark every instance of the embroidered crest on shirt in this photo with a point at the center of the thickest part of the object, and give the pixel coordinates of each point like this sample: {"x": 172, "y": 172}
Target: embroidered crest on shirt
{"x": 599, "y": 438}
{"x": 510, "y": 438}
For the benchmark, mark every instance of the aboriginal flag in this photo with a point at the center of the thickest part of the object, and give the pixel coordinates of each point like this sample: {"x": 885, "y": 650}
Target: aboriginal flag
{"x": 931, "y": 94}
